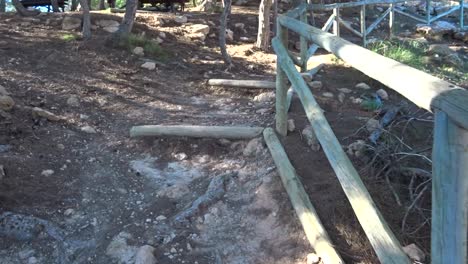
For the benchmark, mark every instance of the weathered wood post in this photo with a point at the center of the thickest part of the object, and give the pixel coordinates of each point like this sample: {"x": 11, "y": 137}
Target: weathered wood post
{"x": 303, "y": 43}
{"x": 462, "y": 14}
{"x": 281, "y": 86}
{"x": 428, "y": 12}
{"x": 363, "y": 26}
{"x": 336, "y": 24}
{"x": 449, "y": 192}
{"x": 391, "y": 19}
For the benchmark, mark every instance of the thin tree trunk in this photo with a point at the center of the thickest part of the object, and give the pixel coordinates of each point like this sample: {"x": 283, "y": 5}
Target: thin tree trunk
{"x": 275, "y": 15}
{"x": 222, "y": 32}
{"x": 86, "y": 31}
{"x": 263, "y": 37}
{"x": 127, "y": 23}
{"x": 55, "y": 5}
{"x": 22, "y": 10}
{"x": 2, "y": 6}
{"x": 102, "y": 4}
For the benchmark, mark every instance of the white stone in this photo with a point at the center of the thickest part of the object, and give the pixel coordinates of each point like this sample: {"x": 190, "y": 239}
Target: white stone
{"x": 363, "y": 86}
{"x": 229, "y": 35}
{"x": 239, "y": 25}
{"x": 73, "y": 101}
{"x": 312, "y": 259}
{"x": 382, "y": 94}
{"x": 162, "y": 34}
{"x": 47, "y": 173}
{"x": 356, "y": 148}
{"x": 111, "y": 29}
{"x": 328, "y": 95}
{"x": 159, "y": 40}
{"x": 199, "y": 28}
{"x": 145, "y": 255}
{"x": 291, "y": 125}
{"x": 148, "y": 65}
{"x": 341, "y": 97}
{"x": 265, "y": 97}
{"x": 181, "y": 19}
{"x": 161, "y": 218}
{"x": 138, "y": 51}
{"x": 345, "y": 90}
{"x": 355, "y": 100}
{"x": 88, "y": 129}
{"x": 70, "y": 23}
{"x": 414, "y": 252}
{"x": 107, "y": 23}
{"x": 315, "y": 84}
{"x": 311, "y": 138}
{"x": 6, "y": 102}
{"x": 180, "y": 156}
{"x": 69, "y": 212}
{"x": 39, "y": 112}
{"x": 32, "y": 260}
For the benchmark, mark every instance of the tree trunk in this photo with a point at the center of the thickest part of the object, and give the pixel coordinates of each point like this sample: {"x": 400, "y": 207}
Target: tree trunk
{"x": 55, "y": 6}
{"x": 74, "y": 5}
{"x": 222, "y": 32}
{"x": 2, "y": 6}
{"x": 86, "y": 31}
{"x": 127, "y": 23}
{"x": 206, "y": 5}
{"x": 263, "y": 37}
{"x": 275, "y": 15}
{"x": 22, "y": 10}
{"x": 102, "y": 4}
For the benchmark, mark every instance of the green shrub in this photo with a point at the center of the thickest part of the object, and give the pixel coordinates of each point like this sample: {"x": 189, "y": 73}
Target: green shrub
{"x": 151, "y": 47}
{"x": 69, "y": 37}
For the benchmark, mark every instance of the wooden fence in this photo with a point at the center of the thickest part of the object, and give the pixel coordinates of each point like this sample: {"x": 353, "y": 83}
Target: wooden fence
{"x": 450, "y": 150}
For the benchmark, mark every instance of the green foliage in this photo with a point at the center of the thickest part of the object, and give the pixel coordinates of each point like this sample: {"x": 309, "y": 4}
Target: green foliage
{"x": 150, "y": 47}
{"x": 414, "y": 53}
{"x": 69, "y": 37}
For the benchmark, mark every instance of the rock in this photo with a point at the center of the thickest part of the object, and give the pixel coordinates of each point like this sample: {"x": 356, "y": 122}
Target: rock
{"x": 180, "y": 156}
{"x": 197, "y": 36}
{"x": 341, "y": 97}
{"x": 311, "y": 139}
{"x": 315, "y": 84}
{"x": 70, "y": 23}
{"x": 199, "y": 28}
{"x": 356, "y": 100}
{"x": 88, "y": 129}
{"x": 382, "y": 94}
{"x": 253, "y": 147}
{"x": 39, "y": 112}
{"x": 5, "y": 148}
{"x": 148, "y": 65}
{"x": 159, "y": 40}
{"x": 138, "y": 51}
{"x": 68, "y": 212}
{"x": 312, "y": 259}
{"x": 145, "y": 255}
{"x": 32, "y": 260}
{"x": 181, "y": 19}
{"x": 3, "y": 91}
{"x": 111, "y": 29}
{"x": 357, "y": 148}
{"x": 363, "y": 86}
{"x": 6, "y": 102}
{"x": 119, "y": 249}
{"x": 440, "y": 49}
{"x": 47, "y": 173}
{"x": 328, "y": 95}
{"x": 414, "y": 252}
{"x": 438, "y": 28}
{"x": 162, "y": 34}
{"x": 229, "y": 35}
{"x": 264, "y": 97}
{"x": 161, "y": 218}
{"x": 107, "y": 23}
{"x": 291, "y": 125}
{"x": 73, "y": 101}
{"x": 25, "y": 254}
{"x": 239, "y": 25}
{"x": 345, "y": 90}
{"x": 453, "y": 60}
{"x": 372, "y": 125}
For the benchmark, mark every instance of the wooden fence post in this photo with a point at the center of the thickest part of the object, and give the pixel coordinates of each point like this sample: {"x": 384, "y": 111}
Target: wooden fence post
{"x": 449, "y": 192}
{"x": 303, "y": 43}
{"x": 462, "y": 14}
{"x": 336, "y": 23}
{"x": 363, "y": 26}
{"x": 281, "y": 86}
{"x": 428, "y": 12}
{"x": 391, "y": 19}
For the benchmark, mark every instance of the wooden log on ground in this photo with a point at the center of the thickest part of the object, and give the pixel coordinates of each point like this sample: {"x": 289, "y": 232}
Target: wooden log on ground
{"x": 384, "y": 242}
{"x": 242, "y": 83}
{"x": 313, "y": 228}
{"x": 449, "y": 192}
{"x": 421, "y": 88}
{"x": 230, "y": 132}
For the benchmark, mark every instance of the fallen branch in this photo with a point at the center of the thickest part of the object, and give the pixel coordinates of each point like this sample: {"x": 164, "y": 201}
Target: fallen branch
{"x": 233, "y": 132}
{"x": 386, "y": 119}
{"x": 243, "y": 83}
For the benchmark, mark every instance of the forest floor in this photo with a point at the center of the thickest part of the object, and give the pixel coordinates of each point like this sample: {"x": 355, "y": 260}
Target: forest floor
{"x": 75, "y": 188}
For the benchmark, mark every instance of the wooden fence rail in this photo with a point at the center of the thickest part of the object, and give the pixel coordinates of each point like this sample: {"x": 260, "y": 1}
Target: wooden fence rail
{"x": 450, "y": 151}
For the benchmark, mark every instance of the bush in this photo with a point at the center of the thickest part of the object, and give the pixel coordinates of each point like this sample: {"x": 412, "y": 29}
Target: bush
{"x": 150, "y": 47}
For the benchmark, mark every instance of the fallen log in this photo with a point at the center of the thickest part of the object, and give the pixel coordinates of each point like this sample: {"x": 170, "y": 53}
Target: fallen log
{"x": 243, "y": 83}
{"x": 233, "y": 132}
{"x": 313, "y": 228}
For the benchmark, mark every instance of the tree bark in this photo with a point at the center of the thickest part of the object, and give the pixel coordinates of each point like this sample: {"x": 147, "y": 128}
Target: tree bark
{"x": 86, "y": 30}
{"x": 263, "y": 37}
{"x": 55, "y": 5}
{"x": 127, "y": 23}
{"x": 222, "y": 32}
{"x": 22, "y": 10}
{"x": 2, "y": 6}
{"x": 102, "y": 4}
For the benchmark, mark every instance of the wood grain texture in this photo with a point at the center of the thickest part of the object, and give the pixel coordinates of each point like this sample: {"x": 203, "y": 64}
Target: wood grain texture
{"x": 242, "y": 83}
{"x": 232, "y": 132}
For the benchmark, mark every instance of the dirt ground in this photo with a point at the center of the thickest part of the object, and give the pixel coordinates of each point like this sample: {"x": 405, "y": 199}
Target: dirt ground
{"x": 99, "y": 195}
